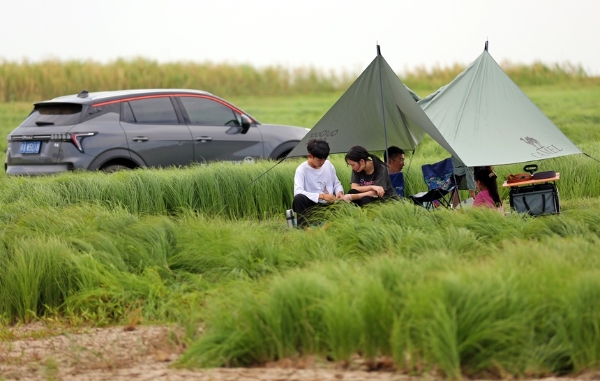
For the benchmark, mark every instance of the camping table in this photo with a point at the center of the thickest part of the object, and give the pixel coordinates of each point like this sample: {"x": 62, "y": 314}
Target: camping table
{"x": 530, "y": 182}
{"x": 534, "y": 192}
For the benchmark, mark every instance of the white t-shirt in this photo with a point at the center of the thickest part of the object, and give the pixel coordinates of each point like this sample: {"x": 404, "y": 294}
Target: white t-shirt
{"x": 311, "y": 182}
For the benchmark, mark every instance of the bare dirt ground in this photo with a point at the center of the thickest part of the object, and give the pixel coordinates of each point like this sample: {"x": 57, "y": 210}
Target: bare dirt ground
{"x": 36, "y": 352}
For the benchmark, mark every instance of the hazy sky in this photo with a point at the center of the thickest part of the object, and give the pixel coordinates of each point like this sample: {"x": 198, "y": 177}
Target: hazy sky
{"x": 338, "y": 34}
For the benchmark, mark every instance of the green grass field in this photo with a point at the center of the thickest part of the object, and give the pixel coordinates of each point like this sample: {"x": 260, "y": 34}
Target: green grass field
{"x": 460, "y": 293}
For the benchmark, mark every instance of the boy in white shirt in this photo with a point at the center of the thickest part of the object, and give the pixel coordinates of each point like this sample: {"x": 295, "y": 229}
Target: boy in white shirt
{"x": 315, "y": 181}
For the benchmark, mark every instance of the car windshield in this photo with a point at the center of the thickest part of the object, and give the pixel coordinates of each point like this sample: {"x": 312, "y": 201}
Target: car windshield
{"x": 53, "y": 114}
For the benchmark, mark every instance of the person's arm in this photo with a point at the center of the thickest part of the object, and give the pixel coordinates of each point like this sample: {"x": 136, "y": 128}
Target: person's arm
{"x": 358, "y": 196}
{"x": 383, "y": 180}
{"x": 354, "y": 180}
{"x": 327, "y": 197}
{"x": 338, "y": 189}
{"x": 378, "y": 191}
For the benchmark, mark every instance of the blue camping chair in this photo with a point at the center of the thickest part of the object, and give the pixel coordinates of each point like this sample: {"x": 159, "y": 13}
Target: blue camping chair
{"x": 439, "y": 178}
{"x": 398, "y": 183}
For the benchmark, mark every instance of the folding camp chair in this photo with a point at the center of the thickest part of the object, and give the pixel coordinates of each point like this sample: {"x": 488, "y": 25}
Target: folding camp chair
{"x": 439, "y": 178}
{"x": 398, "y": 183}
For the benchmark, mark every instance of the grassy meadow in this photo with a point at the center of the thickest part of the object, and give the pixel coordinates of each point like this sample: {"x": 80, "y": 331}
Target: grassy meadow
{"x": 450, "y": 293}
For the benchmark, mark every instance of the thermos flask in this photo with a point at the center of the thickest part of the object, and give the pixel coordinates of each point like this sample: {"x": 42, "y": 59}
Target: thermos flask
{"x": 291, "y": 218}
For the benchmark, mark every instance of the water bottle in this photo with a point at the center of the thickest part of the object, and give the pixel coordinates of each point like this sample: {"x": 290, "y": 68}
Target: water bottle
{"x": 291, "y": 218}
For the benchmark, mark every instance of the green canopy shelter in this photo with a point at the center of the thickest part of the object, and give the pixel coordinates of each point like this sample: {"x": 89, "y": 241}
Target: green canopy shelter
{"x": 375, "y": 112}
{"x": 485, "y": 119}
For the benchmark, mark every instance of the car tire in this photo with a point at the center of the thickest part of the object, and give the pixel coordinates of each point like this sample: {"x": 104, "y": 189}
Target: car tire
{"x": 283, "y": 150}
{"x": 283, "y": 155}
{"x": 114, "y": 168}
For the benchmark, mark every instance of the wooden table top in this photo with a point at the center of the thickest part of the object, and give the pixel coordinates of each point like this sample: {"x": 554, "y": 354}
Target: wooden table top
{"x": 529, "y": 182}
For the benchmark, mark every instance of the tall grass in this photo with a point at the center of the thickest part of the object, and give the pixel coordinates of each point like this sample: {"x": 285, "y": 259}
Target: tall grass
{"x": 234, "y": 191}
{"x": 466, "y": 292}
{"x": 223, "y": 189}
{"x": 33, "y": 81}
{"x": 54, "y": 255}
{"x": 94, "y": 264}
{"x": 454, "y": 292}
{"x": 35, "y": 273}
{"x": 538, "y": 73}
{"x": 29, "y": 81}
{"x": 521, "y": 312}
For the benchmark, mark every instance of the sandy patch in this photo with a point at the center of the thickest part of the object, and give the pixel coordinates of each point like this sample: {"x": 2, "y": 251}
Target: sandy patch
{"x": 144, "y": 353}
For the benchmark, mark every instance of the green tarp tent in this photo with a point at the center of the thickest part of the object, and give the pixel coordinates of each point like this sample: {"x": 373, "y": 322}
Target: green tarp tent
{"x": 376, "y": 110}
{"x": 486, "y": 119}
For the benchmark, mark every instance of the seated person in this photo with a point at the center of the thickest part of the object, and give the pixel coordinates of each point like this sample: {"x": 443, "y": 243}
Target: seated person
{"x": 463, "y": 179}
{"x": 490, "y": 167}
{"x": 488, "y": 195}
{"x": 369, "y": 179}
{"x": 315, "y": 181}
{"x": 394, "y": 157}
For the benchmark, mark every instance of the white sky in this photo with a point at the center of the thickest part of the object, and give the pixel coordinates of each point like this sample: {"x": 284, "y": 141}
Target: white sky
{"x": 326, "y": 34}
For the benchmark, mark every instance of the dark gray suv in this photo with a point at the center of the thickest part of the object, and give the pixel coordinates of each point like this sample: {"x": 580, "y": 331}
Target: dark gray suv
{"x": 140, "y": 128}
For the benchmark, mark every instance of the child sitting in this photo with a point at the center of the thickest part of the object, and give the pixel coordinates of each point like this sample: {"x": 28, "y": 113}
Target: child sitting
{"x": 488, "y": 196}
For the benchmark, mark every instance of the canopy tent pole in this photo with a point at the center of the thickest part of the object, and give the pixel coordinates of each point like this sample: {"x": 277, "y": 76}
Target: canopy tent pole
{"x": 382, "y": 105}
{"x": 412, "y": 156}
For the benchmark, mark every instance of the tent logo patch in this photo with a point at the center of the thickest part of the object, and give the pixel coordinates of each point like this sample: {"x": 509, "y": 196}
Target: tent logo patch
{"x": 541, "y": 150}
{"x": 323, "y": 134}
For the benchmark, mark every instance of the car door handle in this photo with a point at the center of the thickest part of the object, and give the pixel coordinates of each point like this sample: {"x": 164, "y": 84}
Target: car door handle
{"x": 204, "y": 139}
{"x": 140, "y": 139}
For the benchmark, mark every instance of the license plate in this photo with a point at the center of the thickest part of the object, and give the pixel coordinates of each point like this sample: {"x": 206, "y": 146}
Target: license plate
{"x": 30, "y": 147}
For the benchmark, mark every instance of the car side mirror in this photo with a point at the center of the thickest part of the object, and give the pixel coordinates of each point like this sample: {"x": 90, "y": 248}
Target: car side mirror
{"x": 246, "y": 123}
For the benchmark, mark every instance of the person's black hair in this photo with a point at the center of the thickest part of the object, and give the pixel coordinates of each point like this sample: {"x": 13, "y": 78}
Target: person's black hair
{"x": 393, "y": 151}
{"x": 357, "y": 153}
{"x": 319, "y": 148}
{"x": 488, "y": 179}
{"x": 477, "y": 169}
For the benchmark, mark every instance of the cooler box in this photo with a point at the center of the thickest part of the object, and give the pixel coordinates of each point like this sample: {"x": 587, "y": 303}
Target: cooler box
{"x": 537, "y": 200}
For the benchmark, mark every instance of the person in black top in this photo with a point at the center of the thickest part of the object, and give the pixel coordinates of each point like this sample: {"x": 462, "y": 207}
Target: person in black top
{"x": 370, "y": 179}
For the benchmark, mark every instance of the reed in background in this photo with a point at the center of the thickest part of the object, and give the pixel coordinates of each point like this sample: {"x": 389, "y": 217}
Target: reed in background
{"x": 34, "y": 81}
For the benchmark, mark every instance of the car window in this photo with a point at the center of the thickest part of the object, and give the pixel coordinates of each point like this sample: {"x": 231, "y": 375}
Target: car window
{"x": 154, "y": 111}
{"x": 97, "y": 111}
{"x": 127, "y": 113}
{"x": 53, "y": 114}
{"x": 207, "y": 112}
